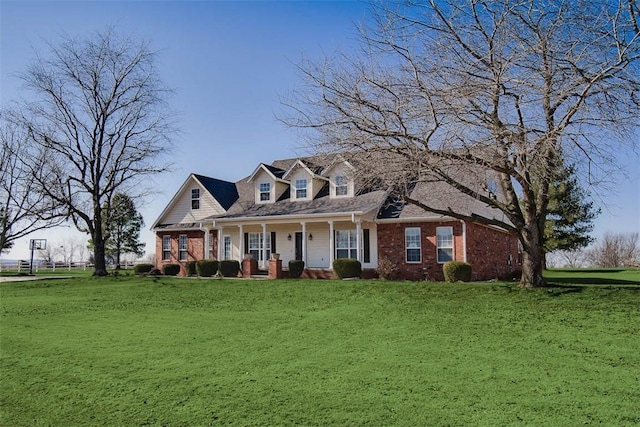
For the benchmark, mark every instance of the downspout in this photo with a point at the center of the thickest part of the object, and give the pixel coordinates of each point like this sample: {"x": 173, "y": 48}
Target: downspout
{"x": 464, "y": 240}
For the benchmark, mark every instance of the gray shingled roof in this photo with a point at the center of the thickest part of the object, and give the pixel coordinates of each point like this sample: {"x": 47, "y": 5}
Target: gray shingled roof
{"x": 320, "y": 205}
{"x": 239, "y": 199}
{"x": 439, "y": 195}
{"x": 225, "y": 192}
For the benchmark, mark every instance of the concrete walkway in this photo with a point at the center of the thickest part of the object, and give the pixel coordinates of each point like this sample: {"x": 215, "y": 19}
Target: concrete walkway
{"x": 28, "y": 278}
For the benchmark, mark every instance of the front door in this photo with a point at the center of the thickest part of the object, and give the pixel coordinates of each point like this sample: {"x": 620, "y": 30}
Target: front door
{"x": 299, "y": 245}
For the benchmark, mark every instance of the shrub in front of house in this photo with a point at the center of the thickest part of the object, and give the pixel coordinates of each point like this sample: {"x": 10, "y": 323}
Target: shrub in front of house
{"x": 296, "y": 267}
{"x": 171, "y": 269}
{"x": 142, "y": 268}
{"x": 387, "y": 269}
{"x": 229, "y": 268}
{"x": 206, "y": 267}
{"x": 155, "y": 272}
{"x": 346, "y": 268}
{"x": 190, "y": 268}
{"x": 456, "y": 271}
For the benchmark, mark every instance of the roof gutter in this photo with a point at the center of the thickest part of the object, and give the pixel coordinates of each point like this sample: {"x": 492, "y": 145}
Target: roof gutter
{"x": 414, "y": 219}
{"x": 301, "y": 217}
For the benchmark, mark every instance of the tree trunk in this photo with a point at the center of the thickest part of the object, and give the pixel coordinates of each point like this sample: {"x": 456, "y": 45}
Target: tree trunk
{"x": 100, "y": 266}
{"x": 532, "y": 260}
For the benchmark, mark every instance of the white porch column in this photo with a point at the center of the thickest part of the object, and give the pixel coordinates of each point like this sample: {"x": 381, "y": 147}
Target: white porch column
{"x": 358, "y": 241}
{"x": 220, "y": 248}
{"x": 205, "y": 248}
{"x": 332, "y": 249}
{"x": 241, "y": 244}
{"x": 304, "y": 243}
{"x": 264, "y": 245}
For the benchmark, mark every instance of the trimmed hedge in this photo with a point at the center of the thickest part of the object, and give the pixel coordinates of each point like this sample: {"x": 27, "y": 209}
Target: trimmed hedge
{"x": 207, "y": 267}
{"x": 347, "y": 267}
{"x": 171, "y": 269}
{"x": 142, "y": 268}
{"x": 296, "y": 267}
{"x": 155, "y": 272}
{"x": 229, "y": 268}
{"x": 190, "y": 268}
{"x": 456, "y": 271}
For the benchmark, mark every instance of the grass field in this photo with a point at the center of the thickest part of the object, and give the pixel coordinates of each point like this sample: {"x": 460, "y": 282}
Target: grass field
{"x": 130, "y": 351}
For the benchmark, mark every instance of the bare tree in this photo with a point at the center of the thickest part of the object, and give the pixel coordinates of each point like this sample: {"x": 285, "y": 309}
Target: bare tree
{"x": 569, "y": 258}
{"x": 468, "y": 91}
{"x": 23, "y": 209}
{"x": 47, "y": 255}
{"x": 101, "y": 120}
{"x": 616, "y": 250}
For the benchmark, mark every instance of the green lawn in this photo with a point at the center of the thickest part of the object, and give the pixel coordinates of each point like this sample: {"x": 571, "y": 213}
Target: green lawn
{"x": 129, "y": 351}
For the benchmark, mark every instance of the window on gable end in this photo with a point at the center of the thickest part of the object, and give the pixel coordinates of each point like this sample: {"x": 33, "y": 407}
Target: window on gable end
{"x": 195, "y": 198}
{"x": 265, "y": 191}
{"x": 301, "y": 188}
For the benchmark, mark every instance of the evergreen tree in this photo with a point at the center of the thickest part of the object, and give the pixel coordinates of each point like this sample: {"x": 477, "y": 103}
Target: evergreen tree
{"x": 4, "y": 231}
{"x": 570, "y": 216}
{"x": 123, "y": 228}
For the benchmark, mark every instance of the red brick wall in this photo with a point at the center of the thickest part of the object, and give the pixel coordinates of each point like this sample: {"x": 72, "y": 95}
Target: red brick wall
{"x": 487, "y": 250}
{"x": 195, "y": 247}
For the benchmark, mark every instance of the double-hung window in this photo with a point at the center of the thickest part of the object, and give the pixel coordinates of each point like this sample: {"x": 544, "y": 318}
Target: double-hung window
{"x": 342, "y": 187}
{"x": 182, "y": 247}
{"x": 166, "y": 248}
{"x": 413, "y": 247}
{"x": 256, "y": 244}
{"x": 444, "y": 244}
{"x": 265, "y": 191}
{"x": 195, "y": 198}
{"x": 301, "y": 188}
{"x": 346, "y": 244}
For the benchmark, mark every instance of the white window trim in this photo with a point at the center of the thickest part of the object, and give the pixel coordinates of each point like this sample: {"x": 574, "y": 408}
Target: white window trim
{"x": 352, "y": 243}
{"x": 186, "y": 247}
{"x": 168, "y": 237}
{"x": 334, "y": 186}
{"x": 306, "y": 189}
{"x": 452, "y": 247}
{"x": 261, "y": 244}
{"x": 406, "y": 246}
{"x": 193, "y": 199}
{"x": 259, "y": 192}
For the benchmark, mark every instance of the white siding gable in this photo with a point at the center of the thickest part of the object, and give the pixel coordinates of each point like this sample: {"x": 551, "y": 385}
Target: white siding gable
{"x": 344, "y": 171}
{"x": 276, "y": 187}
{"x": 314, "y": 185}
{"x": 180, "y": 210}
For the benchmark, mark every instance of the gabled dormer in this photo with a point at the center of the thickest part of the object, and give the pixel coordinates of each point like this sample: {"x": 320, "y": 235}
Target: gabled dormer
{"x": 306, "y": 182}
{"x": 268, "y": 183}
{"x": 341, "y": 182}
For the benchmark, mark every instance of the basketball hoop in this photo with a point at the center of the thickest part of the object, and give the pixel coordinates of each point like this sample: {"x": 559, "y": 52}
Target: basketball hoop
{"x": 36, "y": 245}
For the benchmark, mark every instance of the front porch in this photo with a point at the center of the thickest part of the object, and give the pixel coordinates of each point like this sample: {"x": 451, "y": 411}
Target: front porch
{"x": 318, "y": 243}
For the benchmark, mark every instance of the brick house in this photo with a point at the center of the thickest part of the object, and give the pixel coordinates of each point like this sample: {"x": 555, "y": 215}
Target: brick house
{"x": 315, "y": 211}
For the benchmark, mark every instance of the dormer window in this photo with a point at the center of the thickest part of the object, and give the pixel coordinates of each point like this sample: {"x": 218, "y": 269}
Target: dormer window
{"x": 265, "y": 191}
{"x": 342, "y": 187}
{"x": 195, "y": 198}
{"x": 301, "y": 188}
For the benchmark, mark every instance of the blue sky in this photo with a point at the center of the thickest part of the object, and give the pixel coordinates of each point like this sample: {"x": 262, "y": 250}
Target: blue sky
{"x": 229, "y": 63}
